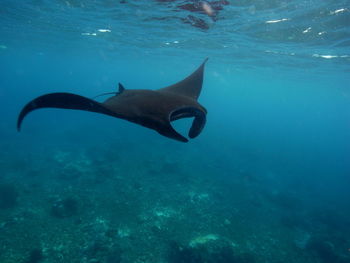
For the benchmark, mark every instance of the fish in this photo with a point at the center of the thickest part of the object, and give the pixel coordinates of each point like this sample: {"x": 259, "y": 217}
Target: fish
{"x": 153, "y": 109}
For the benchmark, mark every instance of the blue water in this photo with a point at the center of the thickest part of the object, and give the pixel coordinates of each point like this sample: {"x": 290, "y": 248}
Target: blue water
{"x": 266, "y": 181}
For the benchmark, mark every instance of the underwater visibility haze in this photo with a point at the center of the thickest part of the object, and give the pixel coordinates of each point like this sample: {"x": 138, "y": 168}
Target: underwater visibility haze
{"x": 265, "y": 180}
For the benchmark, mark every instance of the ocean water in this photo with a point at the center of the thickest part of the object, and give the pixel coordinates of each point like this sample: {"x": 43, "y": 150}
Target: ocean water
{"x": 267, "y": 180}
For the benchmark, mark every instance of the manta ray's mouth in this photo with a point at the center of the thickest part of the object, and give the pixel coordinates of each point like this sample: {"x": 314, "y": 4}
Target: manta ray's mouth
{"x": 190, "y": 112}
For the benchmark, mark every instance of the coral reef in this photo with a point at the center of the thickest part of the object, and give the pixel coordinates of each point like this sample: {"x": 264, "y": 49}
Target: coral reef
{"x": 159, "y": 209}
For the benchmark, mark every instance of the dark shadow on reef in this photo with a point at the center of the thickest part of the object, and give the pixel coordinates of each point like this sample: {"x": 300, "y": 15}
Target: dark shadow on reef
{"x": 206, "y": 254}
{"x": 100, "y": 251}
{"x": 326, "y": 251}
{"x": 8, "y": 196}
{"x": 63, "y": 208}
{"x": 35, "y": 256}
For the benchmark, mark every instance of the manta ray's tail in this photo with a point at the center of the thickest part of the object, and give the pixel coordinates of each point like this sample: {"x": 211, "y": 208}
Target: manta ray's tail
{"x": 63, "y": 101}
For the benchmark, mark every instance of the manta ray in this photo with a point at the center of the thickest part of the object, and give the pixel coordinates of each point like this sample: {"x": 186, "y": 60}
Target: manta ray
{"x": 154, "y": 109}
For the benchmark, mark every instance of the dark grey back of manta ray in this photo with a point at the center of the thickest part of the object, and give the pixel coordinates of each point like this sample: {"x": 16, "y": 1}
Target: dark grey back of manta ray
{"x": 154, "y": 109}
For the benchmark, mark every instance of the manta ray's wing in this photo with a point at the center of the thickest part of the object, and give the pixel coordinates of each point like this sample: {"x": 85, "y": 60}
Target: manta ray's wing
{"x": 190, "y": 86}
{"x": 63, "y": 101}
